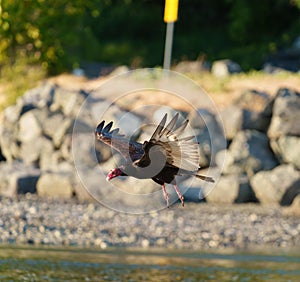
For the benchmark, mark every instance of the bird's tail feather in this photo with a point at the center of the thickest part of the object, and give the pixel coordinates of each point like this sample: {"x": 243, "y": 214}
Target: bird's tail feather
{"x": 205, "y": 178}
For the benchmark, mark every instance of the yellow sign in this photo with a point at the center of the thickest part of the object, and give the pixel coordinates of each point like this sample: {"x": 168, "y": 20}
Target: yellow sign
{"x": 171, "y": 11}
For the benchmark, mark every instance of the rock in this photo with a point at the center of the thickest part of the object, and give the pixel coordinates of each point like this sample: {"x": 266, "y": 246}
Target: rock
{"x": 287, "y": 149}
{"x": 29, "y": 126}
{"x": 52, "y": 123}
{"x": 294, "y": 208}
{"x": 232, "y": 118}
{"x": 57, "y": 185}
{"x": 231, "y": 189}
{"x": 256, "y": 109}
{"x": 223, "y": 68}
{"x": 2, "y": 158}
{"x": 63, "y": 127}
{"x": 209, "y": 134}
{"x": 119, "y": 70}
{"x": 286, "y": 114}
{"x": 12, "y": 113}
{"x": 38, "y": 97}
{"x": 17, "y": 178}
{"x": 8, "y": 141}
{"x": 250, "y": 111}
{"x": 192, "y": 66}
{"x": 129, "y": 123}
{"x": 248, "y": 153}
{"x": 81, "y": 193}
{"x": 83, "y": 149}
{"x": 32, "y": 151}
{"x": 284, "y": 60}
{"x": 68, "y": 101}
{"x": 271, "y": 187}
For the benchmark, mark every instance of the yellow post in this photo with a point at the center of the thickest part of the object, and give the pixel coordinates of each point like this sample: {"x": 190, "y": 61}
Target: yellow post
{"x": 170, "y": 16}
{"x": 171, "y": 11}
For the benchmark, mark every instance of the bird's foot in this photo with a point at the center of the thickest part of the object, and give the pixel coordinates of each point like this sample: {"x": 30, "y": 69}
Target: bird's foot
{"x": 180, "y": 196}
{"x": 166, "y": 195}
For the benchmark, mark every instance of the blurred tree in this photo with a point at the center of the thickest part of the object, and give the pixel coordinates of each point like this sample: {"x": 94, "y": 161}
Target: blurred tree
{"x": 59, "y": 34}
{"x": 47, "y": 32}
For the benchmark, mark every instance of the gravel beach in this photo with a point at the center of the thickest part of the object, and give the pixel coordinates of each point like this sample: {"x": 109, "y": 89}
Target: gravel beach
{"x": 31, "y": 220}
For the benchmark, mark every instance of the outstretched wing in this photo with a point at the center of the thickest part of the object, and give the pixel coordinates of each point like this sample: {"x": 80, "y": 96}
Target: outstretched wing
{"x": 130, "y": 150}
{"x": 181, "y": 152}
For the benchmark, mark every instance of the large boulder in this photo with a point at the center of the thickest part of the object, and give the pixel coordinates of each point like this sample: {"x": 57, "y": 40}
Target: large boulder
{"x": 68, "y": 101}
{"x": 38, "y": 97}
{"x": 287, "y": 149}
{"x": 232, "y": 117}
{"x": 223, "y": 68}
{"x": 252, "y": 110}
{"x": 286, "y": 114}
{"x": 30, "y": 125}
{"x": 256, "y": 109}
{"x": 8, "y": 141}
{"x": 231, "y": 189}
{"x": 192, "y": 66}
{"x": 277, "y": 186}
{"x": 56, "y": 184}
{"x": 31, "y": 152}
{"x": 209, "y": 134}
{"x": 17, "y": 178}
{"x": 248, "y": 153}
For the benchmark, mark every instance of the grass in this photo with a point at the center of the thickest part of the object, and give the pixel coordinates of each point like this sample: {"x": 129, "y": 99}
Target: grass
{"x": 15, "y": 80}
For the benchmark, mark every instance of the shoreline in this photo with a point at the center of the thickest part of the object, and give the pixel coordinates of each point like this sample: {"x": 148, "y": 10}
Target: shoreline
{"x": 29, "y": 220}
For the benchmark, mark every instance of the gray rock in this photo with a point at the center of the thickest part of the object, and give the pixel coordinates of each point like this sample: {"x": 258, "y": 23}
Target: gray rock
{"x": 12, "y": 113}
{"x": 81, "y": 193}
{"x": 286, "y": 114}
{"x": 69, "y": 102}
{"x": 287, "y": 149}
{"x": 83, "y": 149}
{"x": 272, "y": 187}
{"x": 209, "y": 134}
{"x": 222, "y": 68}
{"x": 232, "y": 118}
{"x": 192, "y": 66}
{"x": 31, "y": 151}
{"x": 8, "y": 141}
{"x": 231, "y": 189}
{"x": 38, "y": 97}
{"x": 57, "y": 185}
{"x": 17, "y": 178}
{"x": 65, "y": 127}
{"x": 119, "y": 70}
{"x": 29, "y": 127}
{"x": 52, "y": 123}
{"x": 294, "y": 208}
{"x": 256, "y": 109}
{"x": 248, "y": 153}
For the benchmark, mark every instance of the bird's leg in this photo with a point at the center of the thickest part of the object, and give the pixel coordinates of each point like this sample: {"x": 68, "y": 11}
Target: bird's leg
{"x": 180, "y": 196}
{"x": 166, "y": 195}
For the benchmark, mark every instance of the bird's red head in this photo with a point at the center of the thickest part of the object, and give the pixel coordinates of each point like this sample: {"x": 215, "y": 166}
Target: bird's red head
{"x": 114, "y": 173}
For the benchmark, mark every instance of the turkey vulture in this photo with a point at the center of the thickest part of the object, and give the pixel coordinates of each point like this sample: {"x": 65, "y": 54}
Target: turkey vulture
{"x": 164, "y": 156}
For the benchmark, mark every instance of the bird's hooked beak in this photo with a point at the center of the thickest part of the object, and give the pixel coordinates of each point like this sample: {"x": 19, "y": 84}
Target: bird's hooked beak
{"x": 114, "y": 173}
{"x": 109, "y": 176}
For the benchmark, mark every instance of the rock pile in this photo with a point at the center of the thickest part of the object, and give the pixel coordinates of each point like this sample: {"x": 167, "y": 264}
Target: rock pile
{"x": 262, "y": 159}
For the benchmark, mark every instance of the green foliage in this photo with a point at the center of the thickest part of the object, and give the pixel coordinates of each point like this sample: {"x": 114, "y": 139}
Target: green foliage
{"x": 59, "y": 34}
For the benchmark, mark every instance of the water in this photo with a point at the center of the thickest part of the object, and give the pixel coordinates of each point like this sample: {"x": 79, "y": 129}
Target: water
{"x": 74, "y": 264}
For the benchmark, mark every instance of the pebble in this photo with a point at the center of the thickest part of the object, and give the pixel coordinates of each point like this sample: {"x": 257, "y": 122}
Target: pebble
{"x": 32, "y": 220}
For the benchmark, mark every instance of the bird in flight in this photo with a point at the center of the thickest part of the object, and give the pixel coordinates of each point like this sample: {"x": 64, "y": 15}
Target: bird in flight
{"x": 167, "y": 154}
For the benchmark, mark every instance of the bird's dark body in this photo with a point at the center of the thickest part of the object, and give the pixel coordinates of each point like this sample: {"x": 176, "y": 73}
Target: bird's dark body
{"x": 166, "y": 175}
